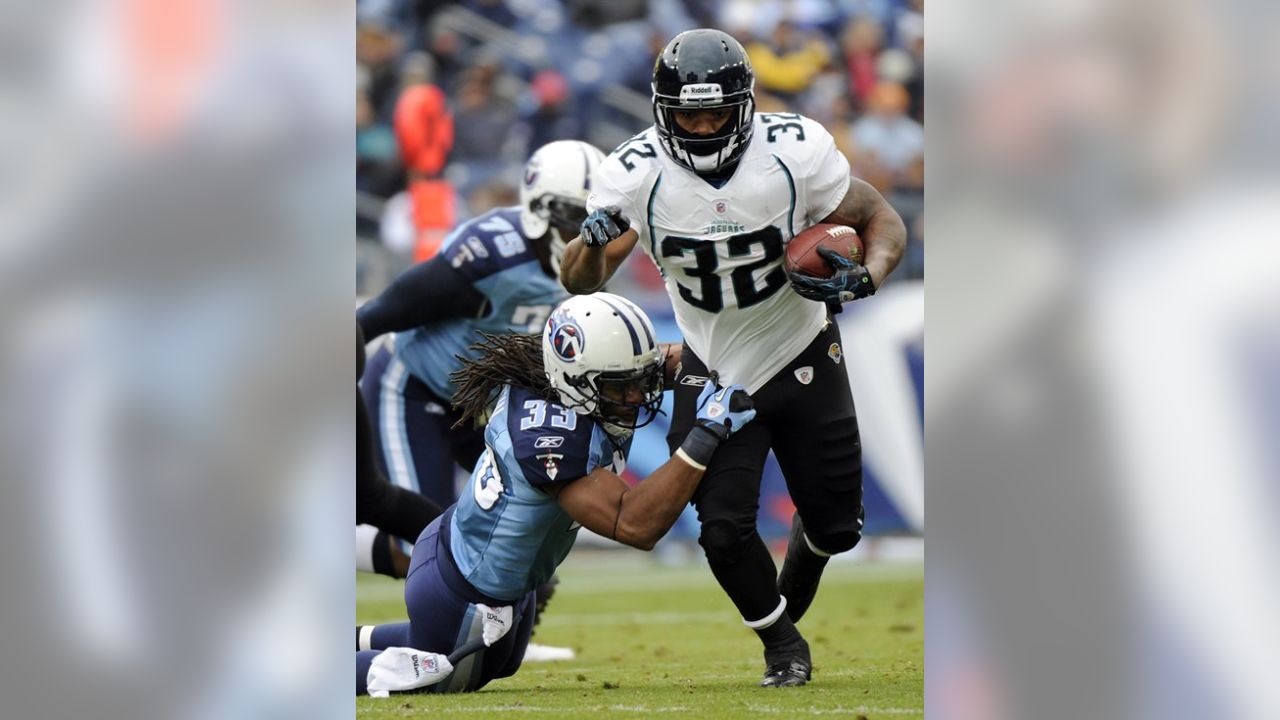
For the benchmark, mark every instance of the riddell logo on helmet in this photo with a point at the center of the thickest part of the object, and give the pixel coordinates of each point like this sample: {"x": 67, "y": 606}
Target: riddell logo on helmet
{"x": 701, "y": 91}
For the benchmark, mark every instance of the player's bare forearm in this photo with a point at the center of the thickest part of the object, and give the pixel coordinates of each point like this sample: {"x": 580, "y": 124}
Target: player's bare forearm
{"x": 586, "y": 269}
{"x": 582, "y": 268}
{"x": 884, "y": 235}
{"x": 649, "y": 509}
{"x": 671, "y": 352}
{"x": 637, "y": 516}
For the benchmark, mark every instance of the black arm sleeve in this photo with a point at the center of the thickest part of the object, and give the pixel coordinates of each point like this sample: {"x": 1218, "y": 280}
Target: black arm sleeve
{"x": 424, "y": 293}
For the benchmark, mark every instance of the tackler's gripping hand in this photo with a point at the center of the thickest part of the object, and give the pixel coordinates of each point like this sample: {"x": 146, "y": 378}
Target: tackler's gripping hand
{"x": 603, "y": 226}
{"x": 851, "y": 281}
{"x": 724, "y": 410}
{"x": 721, "y": 412}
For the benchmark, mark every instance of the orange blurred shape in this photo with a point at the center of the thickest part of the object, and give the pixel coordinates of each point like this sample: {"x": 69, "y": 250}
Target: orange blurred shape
{"x": 433, "y": 215}
{"x": 424, "y": 129}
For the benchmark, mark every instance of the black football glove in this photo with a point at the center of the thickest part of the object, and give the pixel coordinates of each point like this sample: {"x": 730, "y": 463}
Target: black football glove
{"x": 851, "y": 281}
{"x": 603, "y": 226}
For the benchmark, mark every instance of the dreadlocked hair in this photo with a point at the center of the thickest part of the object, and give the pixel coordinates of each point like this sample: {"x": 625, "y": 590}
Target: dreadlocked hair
{"x": 507, "y": 359}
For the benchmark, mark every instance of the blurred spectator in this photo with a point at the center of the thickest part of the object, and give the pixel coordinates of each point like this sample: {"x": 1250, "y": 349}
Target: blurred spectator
{"x": 860, "y": 43}
{"x": 378, "y": 170}
{"x": 788, "y": 61}
{"x": 549, "y": 118}
{"x": 484, "y": 120}
{"x": 493, "y": 10}
{"x": 879, "y": 11}
{"x": 425, "y": 131}
{"x": 888, "y": 145}
{"x": 911, "y": 39}
{"x": 377, "y": 53}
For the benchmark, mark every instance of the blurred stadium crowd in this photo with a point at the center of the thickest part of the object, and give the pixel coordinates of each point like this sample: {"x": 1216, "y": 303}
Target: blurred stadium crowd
{"x": 452, "y": 97}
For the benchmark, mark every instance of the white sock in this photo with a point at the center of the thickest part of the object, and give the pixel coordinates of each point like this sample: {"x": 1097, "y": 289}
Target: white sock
{"x": 365, "y": 536}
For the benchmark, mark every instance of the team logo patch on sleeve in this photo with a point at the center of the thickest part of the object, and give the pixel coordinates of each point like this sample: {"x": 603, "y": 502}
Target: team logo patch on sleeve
{"x": 834, "y": 353}
{"x": 805, "y": 374}
{"x": 551, "y": 463}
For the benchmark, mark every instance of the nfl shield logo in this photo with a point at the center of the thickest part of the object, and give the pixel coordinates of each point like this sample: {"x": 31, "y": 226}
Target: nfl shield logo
{"x": 805, "y": 374}
{"x": 721, "y": 206}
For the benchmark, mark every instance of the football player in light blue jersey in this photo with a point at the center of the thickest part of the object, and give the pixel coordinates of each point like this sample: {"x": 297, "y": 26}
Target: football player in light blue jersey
{"x": 496, "y": 273}
{"x": 567, "y": 405}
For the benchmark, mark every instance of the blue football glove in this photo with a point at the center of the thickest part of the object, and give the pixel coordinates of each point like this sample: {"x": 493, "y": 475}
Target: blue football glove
{"x": 722, "y": 411}
{"x": 851, "y": 281}
{"x": 603, "y": 226}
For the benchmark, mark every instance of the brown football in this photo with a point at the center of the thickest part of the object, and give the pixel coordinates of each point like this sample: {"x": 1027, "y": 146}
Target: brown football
{"x": 802, "y": 251}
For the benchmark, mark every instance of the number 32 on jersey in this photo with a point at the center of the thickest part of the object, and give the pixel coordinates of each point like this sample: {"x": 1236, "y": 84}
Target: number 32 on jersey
{"x": 700, "y": 263}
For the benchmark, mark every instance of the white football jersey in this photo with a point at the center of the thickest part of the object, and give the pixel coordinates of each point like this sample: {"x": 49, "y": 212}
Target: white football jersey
{"x": 720, "y": 250}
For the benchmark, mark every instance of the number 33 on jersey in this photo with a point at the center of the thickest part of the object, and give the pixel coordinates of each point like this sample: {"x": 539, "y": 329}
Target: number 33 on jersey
{"x": 720, "y": 249}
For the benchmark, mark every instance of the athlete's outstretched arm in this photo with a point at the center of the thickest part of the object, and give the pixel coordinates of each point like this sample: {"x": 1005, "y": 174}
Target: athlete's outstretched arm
{"x": 639, "y": 516}
{"x": 424, "y": 293}
{"x": 884, "y": 235}
{"x": 585, "y": 269}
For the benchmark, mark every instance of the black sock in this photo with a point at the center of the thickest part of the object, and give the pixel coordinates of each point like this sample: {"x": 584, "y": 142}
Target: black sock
{"x": 749, "y": 579}
{"x": 782, "y": 641}
{"x": 806, "y": 561}
{"x": 382, "y": 563}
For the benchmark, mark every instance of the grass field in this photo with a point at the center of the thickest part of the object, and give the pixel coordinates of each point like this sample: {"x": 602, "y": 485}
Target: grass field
{"x": 661, "y": 641}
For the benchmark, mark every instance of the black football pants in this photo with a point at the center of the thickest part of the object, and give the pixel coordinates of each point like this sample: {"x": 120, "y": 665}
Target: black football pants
{"x": 813, "y": 431}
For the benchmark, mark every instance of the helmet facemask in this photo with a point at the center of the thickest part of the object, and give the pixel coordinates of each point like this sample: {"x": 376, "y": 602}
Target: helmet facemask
{"x": 564, "y": 218}
{"x": 620, "y": 400}
{"x": 629, "y": 400}
{"x": 705, "y": 153}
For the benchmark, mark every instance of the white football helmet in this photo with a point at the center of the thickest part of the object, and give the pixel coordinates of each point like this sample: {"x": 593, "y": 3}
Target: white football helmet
{"x": 557, "y": 181}
{"x": 601, "y": 354}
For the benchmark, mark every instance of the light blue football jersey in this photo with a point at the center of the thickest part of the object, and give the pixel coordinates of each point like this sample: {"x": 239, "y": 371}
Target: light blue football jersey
{"x": 508, "y": 535}
{"x": 492, "y": 254}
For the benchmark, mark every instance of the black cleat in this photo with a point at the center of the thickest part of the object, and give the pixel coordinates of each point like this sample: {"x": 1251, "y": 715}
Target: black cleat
{"x": 793, "y": 673}
{"x": 801, "y": 571}
{"x": 542, "y": 595}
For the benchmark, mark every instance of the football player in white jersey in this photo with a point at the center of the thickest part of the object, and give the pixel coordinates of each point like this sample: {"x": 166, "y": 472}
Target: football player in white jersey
{"x": 713, "y": 192}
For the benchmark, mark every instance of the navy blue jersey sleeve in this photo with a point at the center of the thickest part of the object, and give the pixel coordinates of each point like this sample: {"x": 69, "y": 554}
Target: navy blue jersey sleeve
{"x": 488, "y": 245}
{"x": 425, "y": 293}
{"x": 552, "y": 443}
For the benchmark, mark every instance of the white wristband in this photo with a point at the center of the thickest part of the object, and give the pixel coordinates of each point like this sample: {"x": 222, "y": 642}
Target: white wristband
{"x": 680, "y": 453}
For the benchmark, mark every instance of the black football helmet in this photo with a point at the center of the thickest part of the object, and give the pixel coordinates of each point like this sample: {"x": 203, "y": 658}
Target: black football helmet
{"x": 702, "y": 70}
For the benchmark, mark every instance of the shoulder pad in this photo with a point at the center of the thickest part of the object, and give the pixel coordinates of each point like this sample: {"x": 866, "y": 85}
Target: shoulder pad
{"x": 792, "y": 136}
{"x": 486, "y": 244}
{"x": 552, "y": 443}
